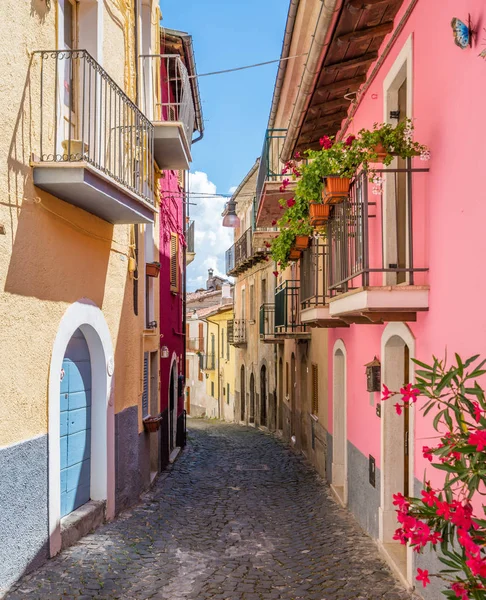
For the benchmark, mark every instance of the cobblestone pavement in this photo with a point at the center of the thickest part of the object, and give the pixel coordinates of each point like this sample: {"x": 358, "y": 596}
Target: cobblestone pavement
{"x": 239, "y": 517}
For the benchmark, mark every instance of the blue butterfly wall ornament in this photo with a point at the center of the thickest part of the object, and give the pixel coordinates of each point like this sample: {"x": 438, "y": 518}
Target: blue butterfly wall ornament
{"x": 462, "y": 33}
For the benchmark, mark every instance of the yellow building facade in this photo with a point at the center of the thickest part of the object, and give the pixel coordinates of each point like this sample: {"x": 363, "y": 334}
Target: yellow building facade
{"x": 78, "y": 223}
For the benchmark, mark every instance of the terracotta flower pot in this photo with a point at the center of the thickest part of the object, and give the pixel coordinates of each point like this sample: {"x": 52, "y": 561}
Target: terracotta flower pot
{"x": 336, "y": 189}
{"x": 152, "y": 269}
{"x": 152, "y": 424}
{"x": 301, "y": 242}
{"x": 319, "y": 213}
{"x": 380, "y": 152}
{"x": 294, "y": 254}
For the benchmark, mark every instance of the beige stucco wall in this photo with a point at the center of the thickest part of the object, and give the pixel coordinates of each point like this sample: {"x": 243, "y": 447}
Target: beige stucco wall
{"x": 52, "y": 253}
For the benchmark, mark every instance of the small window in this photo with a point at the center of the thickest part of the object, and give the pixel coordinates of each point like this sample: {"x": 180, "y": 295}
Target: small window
{"x": 252, "y": 302}
{"x": 227, "y": 348}
{"x": 212, "y": 389}
{"x": 145, "y": 391}
{"x": 264, "y": 291}
{"x": 222, "y": 343}
{"x": 174, "y": 262}
{"x": 227, "y": 393}
{"x": 315, "y": 390}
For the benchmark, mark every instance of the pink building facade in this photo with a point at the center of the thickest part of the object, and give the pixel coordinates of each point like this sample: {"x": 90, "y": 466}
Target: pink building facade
{"x": 372, "y": 452}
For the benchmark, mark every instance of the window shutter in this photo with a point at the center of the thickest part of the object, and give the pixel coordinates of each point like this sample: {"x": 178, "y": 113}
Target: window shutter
{"x": 201, "y": 337}
{"x": 145, "y": 395}
{"x": 174, "y": 262}
{"x": 315, "y": 390}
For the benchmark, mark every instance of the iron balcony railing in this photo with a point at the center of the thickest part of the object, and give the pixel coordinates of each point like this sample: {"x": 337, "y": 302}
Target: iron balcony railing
{"x": 287, "y": 308}
{"x": 314, "y": 274}
{"x": 86, "y": 117}
{"x": 209, "y": 362}
{"x": 195, "y": 344}
{"x": 267, "y": 321}
{"x": 250, "y": 247}
{"x": 166, "y": 91}
{"x": 237, "y": 332}
{"x": 270, "y": 168}
{"x": 374, "y": 249}
{"x": 190, "y": 237}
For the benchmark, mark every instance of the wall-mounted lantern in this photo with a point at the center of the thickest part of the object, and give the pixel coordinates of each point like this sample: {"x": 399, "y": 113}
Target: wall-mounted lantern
{"x": 230, "y": 218}
{"x": 373, "y": 376}
{"x": 164, "y": 352}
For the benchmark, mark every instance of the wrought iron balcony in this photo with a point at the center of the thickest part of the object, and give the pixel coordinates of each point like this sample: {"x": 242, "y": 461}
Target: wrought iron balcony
{"x": 195, "y": 344}
{"x": 96, "y": 146}
{"x": 168, "y": 102}
{"x": 237, "y": 332}
{"x": 373, "y": 274}
{"x": 270, "y": 178}
{"x": 314, "y": 286}
{"x": 250, "y": 248}
{"x": 288, "y": 321}
{"x": 267, "y": 324}
{"x": 190, "y": 251}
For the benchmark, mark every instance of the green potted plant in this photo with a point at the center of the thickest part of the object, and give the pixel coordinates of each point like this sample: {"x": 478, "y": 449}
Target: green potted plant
{"x": 385, "y": 141}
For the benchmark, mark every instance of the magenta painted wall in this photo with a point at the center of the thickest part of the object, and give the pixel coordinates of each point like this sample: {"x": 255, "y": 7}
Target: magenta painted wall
{"x": 171, "y": 214}
{"x": 449, "y": 204}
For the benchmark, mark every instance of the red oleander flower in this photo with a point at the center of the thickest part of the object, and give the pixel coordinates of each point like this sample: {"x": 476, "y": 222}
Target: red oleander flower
{"x": 386, "y": 393}
{"x": 477, "y": 411}
{"x": 400, "y": 501}
{"x": 427, "y": 452}
{"x": 443, "y": 510}
{"x": 460, "y": 591}
{"x": 435, "y": 538}
{"x": 409, "y": 393}
{"x": 398, "y": 408}
{"x": 349, "y": 140}
{"x": 428, "y": 497}
{"x": 477, "y": 566}
{"x": 478, "y": 439}
{"x": 325, "y": 142}
{"x": 290, "y": 202}
{"x": 423, "y": 576}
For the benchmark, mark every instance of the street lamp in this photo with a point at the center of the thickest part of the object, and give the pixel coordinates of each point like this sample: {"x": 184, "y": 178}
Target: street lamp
{"x": 230, "y": 218}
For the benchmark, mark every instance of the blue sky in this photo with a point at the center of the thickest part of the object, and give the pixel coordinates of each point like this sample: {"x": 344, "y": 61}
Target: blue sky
{"x": 227, "y": 34}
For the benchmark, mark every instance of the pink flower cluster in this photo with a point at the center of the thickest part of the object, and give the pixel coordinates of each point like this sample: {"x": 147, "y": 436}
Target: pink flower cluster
{"x": 285, "y": 185}
{"x": 326, "y": 142}
{"x": 408, "y": 393}
{"x": 290, "y": 168}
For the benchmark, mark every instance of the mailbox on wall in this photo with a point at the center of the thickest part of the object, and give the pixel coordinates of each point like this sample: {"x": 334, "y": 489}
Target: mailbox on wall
{"x": 373, "y": 376}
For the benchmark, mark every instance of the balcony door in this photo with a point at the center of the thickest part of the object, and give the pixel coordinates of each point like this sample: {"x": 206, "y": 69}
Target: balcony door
{"x": 396, "y": 208}
{"x": 68, "y": 69}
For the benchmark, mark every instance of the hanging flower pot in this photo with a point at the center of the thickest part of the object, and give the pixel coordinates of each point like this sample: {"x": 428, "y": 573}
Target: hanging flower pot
{"x": 294, "y": 254}
{"x": 152, "y": 424}
{"x": 319, "y": 213}
{"x": 301, "y": 242}
{"x": 152, "y": 269}
{"x": 336, "y": 189}
{"x": 380, "y": 152}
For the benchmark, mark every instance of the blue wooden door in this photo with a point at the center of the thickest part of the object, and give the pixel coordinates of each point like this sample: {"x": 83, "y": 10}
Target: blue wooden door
{"x": 75, "y": 425}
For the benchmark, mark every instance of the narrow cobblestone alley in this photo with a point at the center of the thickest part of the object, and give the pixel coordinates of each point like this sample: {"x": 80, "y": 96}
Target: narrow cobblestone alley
{"x": 240, "y": 516}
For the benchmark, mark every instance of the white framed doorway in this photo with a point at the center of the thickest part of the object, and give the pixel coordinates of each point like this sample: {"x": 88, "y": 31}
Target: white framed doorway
{"x": 339, "y": 425}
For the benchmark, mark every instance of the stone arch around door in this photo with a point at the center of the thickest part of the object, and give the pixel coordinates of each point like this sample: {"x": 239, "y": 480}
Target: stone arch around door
{"x": 242, "y": 393}
{"x": 339, "y": 424}
{"x": 397, "y": 458}
{"x": 86, "y": 317}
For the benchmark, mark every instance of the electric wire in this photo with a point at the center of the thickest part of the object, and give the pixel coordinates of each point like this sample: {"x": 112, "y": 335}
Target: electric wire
{"x": 261, "y": 64}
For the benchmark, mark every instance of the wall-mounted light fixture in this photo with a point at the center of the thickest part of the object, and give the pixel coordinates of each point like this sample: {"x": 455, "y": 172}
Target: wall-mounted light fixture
{"x": 373, "y": 375}
{"x": 230, "y": 218}
{"x": 164, "y": 352}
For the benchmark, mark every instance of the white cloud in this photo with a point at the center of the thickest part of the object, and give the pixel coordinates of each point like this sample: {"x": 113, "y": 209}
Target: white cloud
{"x": 211, "y": 238}
{"x": 232, "y": 189}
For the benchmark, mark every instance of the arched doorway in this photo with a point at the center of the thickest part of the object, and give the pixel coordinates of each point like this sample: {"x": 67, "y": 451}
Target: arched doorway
{"x": 252, "y": 399}
{"x": 280, "y": 395}
{"x": 339, "y": 435}
{"x": 292, "y": 397}
{"x": 75, "y": 425}
{"x": 304, "y": 408}
{"x": 398, "y": 348}
{"x": 263, "y": 396}
{"x": 242, "y": 393}
{"x": 83, "y": 325}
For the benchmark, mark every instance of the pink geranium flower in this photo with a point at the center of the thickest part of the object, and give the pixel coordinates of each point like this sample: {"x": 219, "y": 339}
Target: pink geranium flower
{"x": 275, "y": 273}
{"x": 274, "y": 222}
{"x": 290, "y": 202}
{"x": 349, "y": 140}
{"x": 325, "y": 142}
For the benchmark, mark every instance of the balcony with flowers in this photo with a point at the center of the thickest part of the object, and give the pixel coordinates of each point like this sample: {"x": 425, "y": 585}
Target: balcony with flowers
{"x": 365, "y": 196}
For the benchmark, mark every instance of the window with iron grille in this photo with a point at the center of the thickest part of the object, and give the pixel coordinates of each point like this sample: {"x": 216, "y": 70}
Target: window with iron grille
{"x": 315, "y": 390}
{"x": 252, "y": 302}
{"x": 145, "y": 392}
{"x": 174, "y": 262}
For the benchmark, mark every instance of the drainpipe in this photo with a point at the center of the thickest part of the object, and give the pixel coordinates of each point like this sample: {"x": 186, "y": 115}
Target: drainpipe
{"x": 326, "y": 22}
